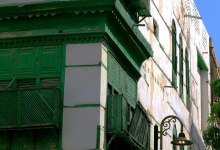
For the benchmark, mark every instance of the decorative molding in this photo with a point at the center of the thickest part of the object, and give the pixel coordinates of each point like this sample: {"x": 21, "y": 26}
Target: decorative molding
{"x": 53, "y": 12}
{"x": 148, "y": 46}
{"x": 52, "y": 39}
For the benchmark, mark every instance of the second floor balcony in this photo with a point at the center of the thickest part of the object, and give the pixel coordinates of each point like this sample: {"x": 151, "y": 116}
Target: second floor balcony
{"x": 34, "y": 107}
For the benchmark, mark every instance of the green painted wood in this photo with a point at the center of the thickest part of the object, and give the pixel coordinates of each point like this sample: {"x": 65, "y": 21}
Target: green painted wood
{"x": 19, "y": 113}
{"x": 29, "y": 108}
{"x": 61, "y": 86}
{"x": 140, "y": 126}
{"x": 51, "y": 24}
{"x": 118, "y": 122}
{"x": 61, "y": 21}
{"x": 148, "y": 52}
{"x": 98, "y": 136}
{"x": 6, "y": 59}
{"x": 201, "y": 62}
{"x": 174, "y": 57}
{"x": 119, "y": 79}
{"x": 50, "y": 4}
{"x": 188, "y": 99}
{"x": 134, "y": 7}
{"x": 30, "y": 62}
{"x": 181, "y": 68}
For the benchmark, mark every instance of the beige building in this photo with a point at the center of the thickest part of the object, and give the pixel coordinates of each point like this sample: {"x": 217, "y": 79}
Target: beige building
{"x": 99, "y": 74}
{"x": 171, "y": 65}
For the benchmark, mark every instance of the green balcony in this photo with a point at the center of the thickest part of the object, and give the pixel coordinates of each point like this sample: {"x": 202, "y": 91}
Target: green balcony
{"x": 22, "y": 108}
{"x": 126, "y": 126}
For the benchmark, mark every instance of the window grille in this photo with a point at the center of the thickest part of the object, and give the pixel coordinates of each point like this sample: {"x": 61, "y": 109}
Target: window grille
{"x": 29, "y": 107}
{"x": 131, "y": 127}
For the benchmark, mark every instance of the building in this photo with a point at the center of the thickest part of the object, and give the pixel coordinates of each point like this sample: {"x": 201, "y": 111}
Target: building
{"x": 214, "y": 66}
{"x": 100, "y": 74}
{"x": 214, "y": 71}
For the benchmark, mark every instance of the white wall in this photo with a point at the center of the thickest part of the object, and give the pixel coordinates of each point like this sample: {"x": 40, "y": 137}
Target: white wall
{"x": 84, "y": 96}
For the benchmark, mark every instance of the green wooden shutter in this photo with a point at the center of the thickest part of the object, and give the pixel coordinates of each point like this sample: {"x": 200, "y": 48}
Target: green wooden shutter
{"x": 110, "y": 69}
{"x": 121, "y": 81}
{"x": 187, "y": 84}
{"x": 174, "y": 58}
{"x": 181, "y": 69}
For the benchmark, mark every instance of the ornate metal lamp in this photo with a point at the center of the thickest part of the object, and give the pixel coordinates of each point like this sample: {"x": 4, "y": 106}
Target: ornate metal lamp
{"x": 165, "y": 125}
{"x": 181, "y": 140}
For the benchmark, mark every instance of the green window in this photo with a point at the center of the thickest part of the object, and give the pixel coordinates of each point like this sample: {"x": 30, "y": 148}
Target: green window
{"x": 174, "y": 57}
{"x": 181, "y": 67}
{"x": 126, "y": 130}
{"x": 30, "y": 97}
{"x": 121, "y": 81}
{"x": 127, "y": 120}
{"x": 187, "y": 84}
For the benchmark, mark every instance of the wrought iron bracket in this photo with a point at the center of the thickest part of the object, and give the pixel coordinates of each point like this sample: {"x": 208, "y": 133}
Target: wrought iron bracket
{"x": 165, "y": 125}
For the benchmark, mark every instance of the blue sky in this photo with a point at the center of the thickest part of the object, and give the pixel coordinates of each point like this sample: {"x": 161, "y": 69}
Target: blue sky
{"x": 210, "y": 12}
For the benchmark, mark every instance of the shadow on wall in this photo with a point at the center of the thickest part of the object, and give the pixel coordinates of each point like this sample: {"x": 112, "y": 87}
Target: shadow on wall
{"x": 197, "y": 139}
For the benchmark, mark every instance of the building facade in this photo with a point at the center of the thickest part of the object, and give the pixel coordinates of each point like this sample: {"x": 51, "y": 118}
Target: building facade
{"x": 214, "y": 72}
{"x": 100, "y": 74}
{"x": 214, "y": 66}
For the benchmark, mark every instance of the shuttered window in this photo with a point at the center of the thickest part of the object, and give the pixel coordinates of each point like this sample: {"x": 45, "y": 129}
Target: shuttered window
{"x": 187, "y": 85}
{"x": 181, "y": 68}
{"x": 121, "y": 81}
{"x": 174, "y": 57}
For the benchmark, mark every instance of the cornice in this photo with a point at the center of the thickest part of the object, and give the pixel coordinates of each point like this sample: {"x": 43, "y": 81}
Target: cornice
{"x": 52, "y": 39}
{"x": 53, "y": 12}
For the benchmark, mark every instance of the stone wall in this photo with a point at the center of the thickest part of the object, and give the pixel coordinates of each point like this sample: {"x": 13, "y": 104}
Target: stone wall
{"x": 157, "y": 71}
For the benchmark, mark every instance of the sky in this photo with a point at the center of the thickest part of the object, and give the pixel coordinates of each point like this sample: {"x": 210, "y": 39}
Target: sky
{"x": 210, "y": 12}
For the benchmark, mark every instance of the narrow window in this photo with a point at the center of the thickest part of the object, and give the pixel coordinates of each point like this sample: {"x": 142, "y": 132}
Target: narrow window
{"x": 187, "y": 82}
{"x": 181, "y": 67}
{"x": 174, "y": 57}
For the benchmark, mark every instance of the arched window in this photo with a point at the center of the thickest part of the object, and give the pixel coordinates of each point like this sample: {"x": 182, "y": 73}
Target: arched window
{"x": 174, "y": 57}
{"x": 181, "y": 66}
{"x": 187, "y": 81}
{"x": 174, "y": 136}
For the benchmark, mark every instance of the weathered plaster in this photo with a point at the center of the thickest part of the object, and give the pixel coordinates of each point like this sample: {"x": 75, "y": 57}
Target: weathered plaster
{"x": 157, "y": 71}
